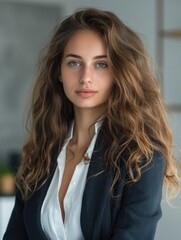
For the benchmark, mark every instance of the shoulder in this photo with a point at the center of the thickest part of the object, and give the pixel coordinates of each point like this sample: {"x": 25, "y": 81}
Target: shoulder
{"x": 147, "y": 171}
{"x": 156, "y": 161}
{"x": 152, "y": 173}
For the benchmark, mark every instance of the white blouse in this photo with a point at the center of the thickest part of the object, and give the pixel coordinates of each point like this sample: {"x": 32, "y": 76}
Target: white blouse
{"x": 51, "y": 216}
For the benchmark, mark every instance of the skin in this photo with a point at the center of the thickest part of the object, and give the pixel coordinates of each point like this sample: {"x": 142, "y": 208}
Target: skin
{"x": 87, "y": 82}
{"x": 85, "y": 72}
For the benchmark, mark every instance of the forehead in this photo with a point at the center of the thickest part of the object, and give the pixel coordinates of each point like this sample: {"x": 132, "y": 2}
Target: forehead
{"x": 83, "y": 41}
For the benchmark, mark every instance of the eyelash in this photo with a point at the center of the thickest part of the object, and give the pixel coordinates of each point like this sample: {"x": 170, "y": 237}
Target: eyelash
{"x": 75, "y": 64}
{"x": 104, "y": 65}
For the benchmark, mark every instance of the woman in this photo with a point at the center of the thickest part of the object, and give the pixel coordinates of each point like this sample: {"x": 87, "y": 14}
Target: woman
{"x": 99, "y": 145}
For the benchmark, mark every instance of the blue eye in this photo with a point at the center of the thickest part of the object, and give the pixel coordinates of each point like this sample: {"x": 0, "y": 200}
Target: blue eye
{"x": 74, "y": 64}
{"x": 101, "y": 65}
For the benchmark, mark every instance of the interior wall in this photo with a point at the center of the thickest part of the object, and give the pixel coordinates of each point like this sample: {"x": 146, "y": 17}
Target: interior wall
{"x": 24, "y": 31}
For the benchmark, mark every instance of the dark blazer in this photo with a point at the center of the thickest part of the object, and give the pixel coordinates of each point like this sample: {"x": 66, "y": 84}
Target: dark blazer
{"x": 131, "y": 215}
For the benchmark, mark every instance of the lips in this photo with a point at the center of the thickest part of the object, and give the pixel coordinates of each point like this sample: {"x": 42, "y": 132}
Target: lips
{"x": 86, "y": 92}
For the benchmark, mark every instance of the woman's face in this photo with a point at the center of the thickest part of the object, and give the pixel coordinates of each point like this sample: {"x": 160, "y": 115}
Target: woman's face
{"x": 85, "y": 71}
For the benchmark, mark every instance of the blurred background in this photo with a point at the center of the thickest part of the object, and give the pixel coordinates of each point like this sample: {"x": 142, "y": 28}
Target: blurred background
{"x": 26, "y": 27}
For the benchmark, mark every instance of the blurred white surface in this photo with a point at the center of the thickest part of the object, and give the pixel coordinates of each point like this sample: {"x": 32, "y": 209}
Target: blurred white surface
{"x": 169, "y": 225}
{"x": 6, "y": 206}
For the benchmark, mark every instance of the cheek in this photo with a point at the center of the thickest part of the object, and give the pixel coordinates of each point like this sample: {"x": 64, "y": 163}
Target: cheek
{"x": 67, "y": 87}
{"x": 109, "y": 88}
{"x": 63, "y": 74}
{"x": 69, "y": 76}
{"x": 108, "y": 83}
{"x": 69, "y": 84}
{"x": 67, "y": 90}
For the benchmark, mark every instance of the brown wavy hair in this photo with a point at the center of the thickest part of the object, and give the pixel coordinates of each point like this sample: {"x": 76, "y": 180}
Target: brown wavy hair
{"x": 135, "y": 106}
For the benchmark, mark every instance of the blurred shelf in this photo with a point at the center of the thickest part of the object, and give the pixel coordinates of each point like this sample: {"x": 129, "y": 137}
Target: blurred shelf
{"x": 6, "y": 195}
{"x": 171, "y": 33}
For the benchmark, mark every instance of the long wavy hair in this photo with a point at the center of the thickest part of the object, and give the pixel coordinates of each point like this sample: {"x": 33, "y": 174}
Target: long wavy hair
{"x": 135, "y": 105}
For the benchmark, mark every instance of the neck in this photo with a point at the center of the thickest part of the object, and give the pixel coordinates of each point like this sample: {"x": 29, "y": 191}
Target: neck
{"x": 85, "y": 120}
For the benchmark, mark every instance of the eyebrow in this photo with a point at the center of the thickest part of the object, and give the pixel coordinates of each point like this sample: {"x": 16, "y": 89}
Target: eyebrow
{"x": 79, "y": 57}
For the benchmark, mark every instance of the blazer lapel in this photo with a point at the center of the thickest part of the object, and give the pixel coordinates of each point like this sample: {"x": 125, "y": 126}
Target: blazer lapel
{"x": 95, "y": 197}
{"x": 33, "y": 207}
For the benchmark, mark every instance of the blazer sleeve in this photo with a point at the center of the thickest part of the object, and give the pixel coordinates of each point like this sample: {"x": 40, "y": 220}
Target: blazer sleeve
{"x": 16, "y": 228}
{"x": 140, "y": 205}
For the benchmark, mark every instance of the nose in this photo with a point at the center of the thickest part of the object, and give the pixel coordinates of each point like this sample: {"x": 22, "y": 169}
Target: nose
{"x": 86, "y": 76}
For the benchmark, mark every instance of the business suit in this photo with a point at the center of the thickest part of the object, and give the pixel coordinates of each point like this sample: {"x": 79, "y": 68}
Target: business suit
{"x": 131, "y": 215}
